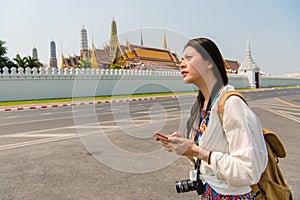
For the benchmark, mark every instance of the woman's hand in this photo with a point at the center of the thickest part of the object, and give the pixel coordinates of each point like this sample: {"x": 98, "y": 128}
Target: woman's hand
{"x": 183, "y": 146}
{"x": 178, "y": 144}
{"x": 164, "y": 143}
{"x": 176, "y": 134}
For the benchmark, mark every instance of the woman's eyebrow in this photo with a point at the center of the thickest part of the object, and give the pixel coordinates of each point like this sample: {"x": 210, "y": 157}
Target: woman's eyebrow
{"x": 187, "y": 55}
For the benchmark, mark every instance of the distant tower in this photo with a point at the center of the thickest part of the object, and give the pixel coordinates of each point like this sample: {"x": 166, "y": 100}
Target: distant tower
{"x": 250, "y": 69}
{"x": 113, "y": 38}
{"x": 34, "y": 53}
{"x": 53, "y": 60}
{"x": 84, "y": 49}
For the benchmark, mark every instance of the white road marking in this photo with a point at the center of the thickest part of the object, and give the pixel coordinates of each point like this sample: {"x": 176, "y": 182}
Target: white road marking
{"x": 47, "y": 135}
{"x": 34, "y": 142}
{"x": 283, "y": 114}
{"x": 98, "y": 127}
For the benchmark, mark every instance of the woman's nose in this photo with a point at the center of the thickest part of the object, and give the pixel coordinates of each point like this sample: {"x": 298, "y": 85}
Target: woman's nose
{"x": 182, "y": 64}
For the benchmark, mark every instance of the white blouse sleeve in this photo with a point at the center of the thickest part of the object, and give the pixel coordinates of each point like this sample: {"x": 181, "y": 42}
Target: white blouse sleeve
{"x": 247, "y": 157}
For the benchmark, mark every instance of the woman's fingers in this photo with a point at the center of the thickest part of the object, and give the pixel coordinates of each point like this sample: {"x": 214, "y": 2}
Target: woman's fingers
{"x": 177, "y": 134}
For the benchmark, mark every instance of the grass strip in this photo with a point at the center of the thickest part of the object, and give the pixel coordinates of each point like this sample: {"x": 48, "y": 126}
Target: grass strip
{"x": 99, "y": 98}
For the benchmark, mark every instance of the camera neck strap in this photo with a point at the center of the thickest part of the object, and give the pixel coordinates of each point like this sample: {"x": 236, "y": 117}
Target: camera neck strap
{"x": 197, "y": 163}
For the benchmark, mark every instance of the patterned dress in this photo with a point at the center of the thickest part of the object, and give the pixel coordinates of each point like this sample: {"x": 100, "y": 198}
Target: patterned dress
{"x": 209, "y": 192}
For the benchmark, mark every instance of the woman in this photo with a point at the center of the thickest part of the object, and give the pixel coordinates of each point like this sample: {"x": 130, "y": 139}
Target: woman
{"x": 233, "y": 154}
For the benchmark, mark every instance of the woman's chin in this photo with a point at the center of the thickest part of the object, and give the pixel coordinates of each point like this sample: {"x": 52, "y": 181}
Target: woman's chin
{"x": 185, "y": 80}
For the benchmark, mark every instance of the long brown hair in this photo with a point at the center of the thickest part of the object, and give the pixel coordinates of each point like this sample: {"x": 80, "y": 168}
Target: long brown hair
{"x": 209, "y": 51}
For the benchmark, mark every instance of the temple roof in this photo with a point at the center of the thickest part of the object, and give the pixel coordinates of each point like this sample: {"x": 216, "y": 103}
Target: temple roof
{"x": 148, "y": 55}
{"x": 232, "y": 64}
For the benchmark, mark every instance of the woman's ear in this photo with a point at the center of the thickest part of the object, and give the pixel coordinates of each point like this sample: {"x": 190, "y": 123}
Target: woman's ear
{"x": 209, "y": 65}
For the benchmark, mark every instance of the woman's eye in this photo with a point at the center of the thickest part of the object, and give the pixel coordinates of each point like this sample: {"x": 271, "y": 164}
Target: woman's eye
{"x": 188, "y": 57}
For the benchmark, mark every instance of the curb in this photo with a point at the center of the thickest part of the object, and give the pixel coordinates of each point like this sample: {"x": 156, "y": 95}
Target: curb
{"x": 35, "y": 107}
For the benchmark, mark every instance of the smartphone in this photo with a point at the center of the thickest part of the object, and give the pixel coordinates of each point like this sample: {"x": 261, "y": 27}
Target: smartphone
{"x": 161, "y": 137}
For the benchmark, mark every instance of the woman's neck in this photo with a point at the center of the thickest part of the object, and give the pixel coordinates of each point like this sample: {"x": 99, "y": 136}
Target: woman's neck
{"x": 210, "y": 94}
{"x": 207, "y": 91}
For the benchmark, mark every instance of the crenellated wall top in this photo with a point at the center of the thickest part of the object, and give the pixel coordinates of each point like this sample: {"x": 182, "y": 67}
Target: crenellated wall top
{"x": 81, "y": 72}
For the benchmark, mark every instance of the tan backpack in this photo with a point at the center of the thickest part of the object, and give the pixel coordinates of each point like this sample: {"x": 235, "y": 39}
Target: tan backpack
{"x": 271, "y": 185}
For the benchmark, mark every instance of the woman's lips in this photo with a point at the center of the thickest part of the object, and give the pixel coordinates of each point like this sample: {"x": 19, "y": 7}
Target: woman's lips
{"x": 184, "y": 73}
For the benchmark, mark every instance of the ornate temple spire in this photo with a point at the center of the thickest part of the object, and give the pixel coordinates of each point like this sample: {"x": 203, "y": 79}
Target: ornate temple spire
{"x": 165, "y": 41}
{"x": 34, "y": 53}
{"x": 113, "y": 37}
{"x": 83, "y": 39}
{"x": 84, "y": 48}
{"x": 248, "y": 63}
{"x": 53, "y": 60}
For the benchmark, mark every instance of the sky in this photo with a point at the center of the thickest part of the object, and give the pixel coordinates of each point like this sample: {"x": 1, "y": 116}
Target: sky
{"x": 272, "y": 27}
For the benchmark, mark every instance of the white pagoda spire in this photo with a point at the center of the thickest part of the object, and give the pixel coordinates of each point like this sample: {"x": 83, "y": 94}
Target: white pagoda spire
{"x": 83, "y": 39}
{"x": 250, "y": 69}
{"x": 248, "y": 63}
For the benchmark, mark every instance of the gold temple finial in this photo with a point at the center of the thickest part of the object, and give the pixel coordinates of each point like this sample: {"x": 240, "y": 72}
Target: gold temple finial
{"x": 62, "y": 60}
{"x": 165, "y": 40}
{"x": 94, "y": 62}
{"x": 142, "y": 42}
{"x": 92, "y": 37}
{"x": 127, "y": 43}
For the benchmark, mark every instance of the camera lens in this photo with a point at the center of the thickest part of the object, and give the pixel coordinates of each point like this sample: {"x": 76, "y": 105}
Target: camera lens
{"x": 184, "y": 186}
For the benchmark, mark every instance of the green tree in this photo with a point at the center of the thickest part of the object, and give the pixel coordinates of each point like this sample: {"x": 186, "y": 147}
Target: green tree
{"x": 32, "y": 62}
{"x": 4, "y": 60}
{"x": 3, "y": 49}
{"x": 85, "y": 64}
{"x": 116, "y": 66}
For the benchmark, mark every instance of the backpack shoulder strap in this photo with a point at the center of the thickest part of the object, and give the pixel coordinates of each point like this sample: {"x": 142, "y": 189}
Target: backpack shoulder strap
{"x": 221, "y": 105}
{"x": 222, "y": 100}
{"x": 270, "y": 137}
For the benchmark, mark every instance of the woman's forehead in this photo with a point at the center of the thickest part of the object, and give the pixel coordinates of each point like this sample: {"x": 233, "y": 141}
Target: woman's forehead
{"x": 189, "y": 49}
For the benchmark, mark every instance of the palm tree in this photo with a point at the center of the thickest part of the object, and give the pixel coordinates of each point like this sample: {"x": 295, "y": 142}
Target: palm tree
{"x": 32, "y": 62}
{"x": 21, "y": 62}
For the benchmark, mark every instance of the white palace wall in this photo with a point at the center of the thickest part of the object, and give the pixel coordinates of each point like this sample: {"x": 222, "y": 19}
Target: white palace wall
{"x": 272, "y": 81}
{"x": 238, "y": 81}
{"x": 27, "y": 84}
{"x": 53, "y": 83}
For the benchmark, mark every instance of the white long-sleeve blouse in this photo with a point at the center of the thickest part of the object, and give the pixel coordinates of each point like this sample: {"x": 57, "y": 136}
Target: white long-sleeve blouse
{"x": 239, "y": 154}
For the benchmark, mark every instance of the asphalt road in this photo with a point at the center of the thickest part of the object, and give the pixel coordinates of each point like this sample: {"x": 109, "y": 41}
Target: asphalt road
{"x": 106, "y": 151}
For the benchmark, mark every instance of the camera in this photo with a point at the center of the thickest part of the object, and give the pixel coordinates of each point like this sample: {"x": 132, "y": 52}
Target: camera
{"x": 188, "y": 185}
{"x": 194, "y": 183}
